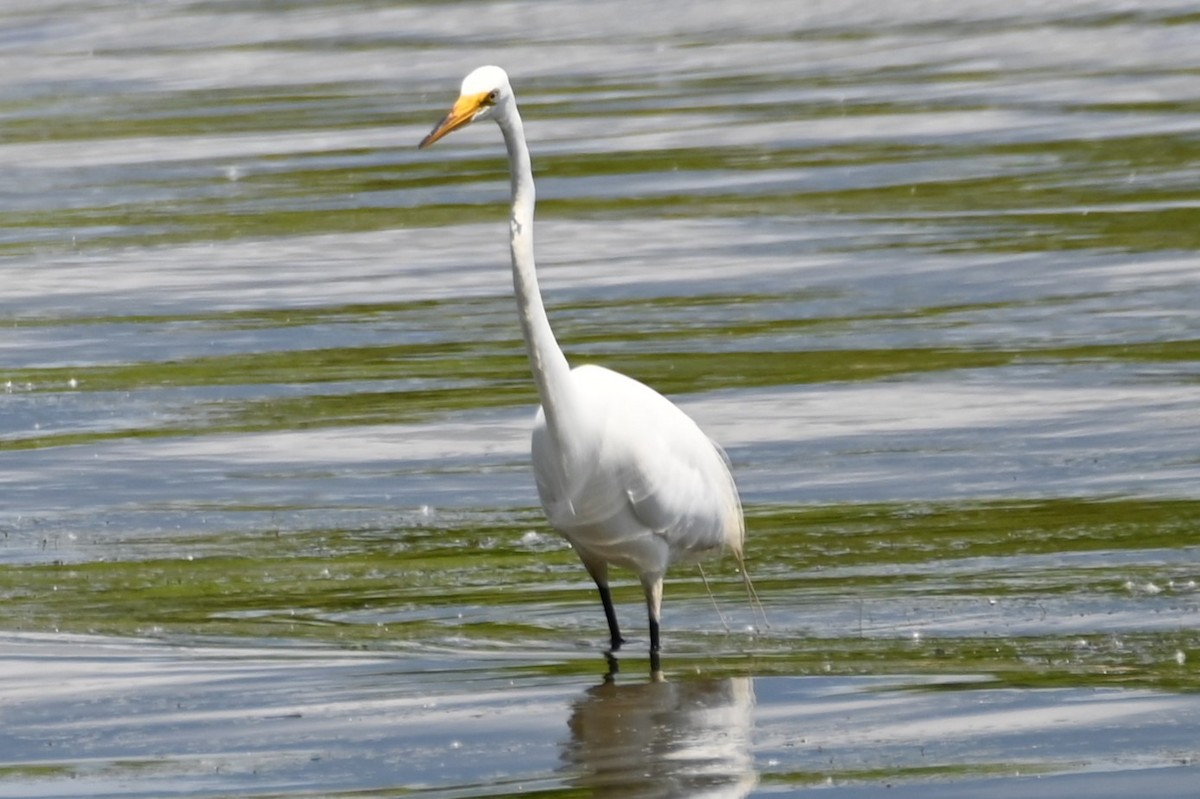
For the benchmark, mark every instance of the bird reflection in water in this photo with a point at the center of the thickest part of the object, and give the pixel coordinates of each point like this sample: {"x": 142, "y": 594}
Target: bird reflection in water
{"x": 689, "y": 738}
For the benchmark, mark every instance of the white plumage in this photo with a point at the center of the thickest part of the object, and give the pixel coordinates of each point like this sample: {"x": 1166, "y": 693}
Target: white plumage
{"x": 637, "y": 484}
{"x": 623, "y": 474}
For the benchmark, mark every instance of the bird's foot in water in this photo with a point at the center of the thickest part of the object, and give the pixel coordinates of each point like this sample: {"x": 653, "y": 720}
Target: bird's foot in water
{"x": 610, "y": 656}
{"x": 614, "y": 666}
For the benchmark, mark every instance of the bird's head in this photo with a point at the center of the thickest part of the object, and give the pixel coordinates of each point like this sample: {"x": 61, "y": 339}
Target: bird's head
{"x": 482, "y": 92}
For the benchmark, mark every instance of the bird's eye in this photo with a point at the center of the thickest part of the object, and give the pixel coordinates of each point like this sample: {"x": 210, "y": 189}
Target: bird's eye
{"x": 491, "y": 98}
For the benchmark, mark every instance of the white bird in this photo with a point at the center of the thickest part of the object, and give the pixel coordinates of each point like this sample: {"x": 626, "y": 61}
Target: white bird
{"x": 623, "y": 474}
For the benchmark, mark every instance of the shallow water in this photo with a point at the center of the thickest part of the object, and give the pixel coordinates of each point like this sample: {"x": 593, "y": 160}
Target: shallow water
{"x": 927, "y": 270}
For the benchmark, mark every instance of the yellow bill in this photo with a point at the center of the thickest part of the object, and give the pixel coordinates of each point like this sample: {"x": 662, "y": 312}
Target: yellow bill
{"x": 462, "y": 114}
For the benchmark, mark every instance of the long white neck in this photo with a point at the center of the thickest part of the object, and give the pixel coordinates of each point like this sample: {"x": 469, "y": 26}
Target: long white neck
{"x": 546, "y": 359}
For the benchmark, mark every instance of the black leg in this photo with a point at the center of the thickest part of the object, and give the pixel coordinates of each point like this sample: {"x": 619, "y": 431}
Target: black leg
{"x": 655, "y": 659}
{"x": 611, "y": 615}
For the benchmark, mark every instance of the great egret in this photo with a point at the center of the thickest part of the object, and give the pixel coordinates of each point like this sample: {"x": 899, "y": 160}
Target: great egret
{"x": 623, "y": 474}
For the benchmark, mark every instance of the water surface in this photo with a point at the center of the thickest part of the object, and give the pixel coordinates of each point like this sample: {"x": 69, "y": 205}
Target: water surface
{"x": 927, "y": 271}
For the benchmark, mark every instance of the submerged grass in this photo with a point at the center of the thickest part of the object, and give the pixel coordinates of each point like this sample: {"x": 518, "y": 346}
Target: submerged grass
{"x": 1132, "y": 193}
{"x": 504, "y": 362}
{"x": 485, "y": 586}
{"x": 451, "y": 370}
{"x": 1031, "y": 593}
{"x": 887, "y": 777}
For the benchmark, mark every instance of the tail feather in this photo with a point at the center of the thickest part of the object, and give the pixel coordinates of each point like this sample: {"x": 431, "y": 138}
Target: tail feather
{"x": 735, "y": 539}
{"x": 735, "y": 521}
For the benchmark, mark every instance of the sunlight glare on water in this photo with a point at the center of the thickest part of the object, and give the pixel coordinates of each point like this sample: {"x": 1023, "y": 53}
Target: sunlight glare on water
{"x": 927, "y": 270}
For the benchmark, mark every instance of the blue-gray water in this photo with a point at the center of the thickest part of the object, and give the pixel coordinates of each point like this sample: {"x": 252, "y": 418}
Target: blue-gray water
{"x": 927, "y": 270}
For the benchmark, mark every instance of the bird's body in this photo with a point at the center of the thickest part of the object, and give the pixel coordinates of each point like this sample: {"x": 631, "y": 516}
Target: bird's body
{"x": 623, "y": 474}
{"x": 636, "y": 484}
